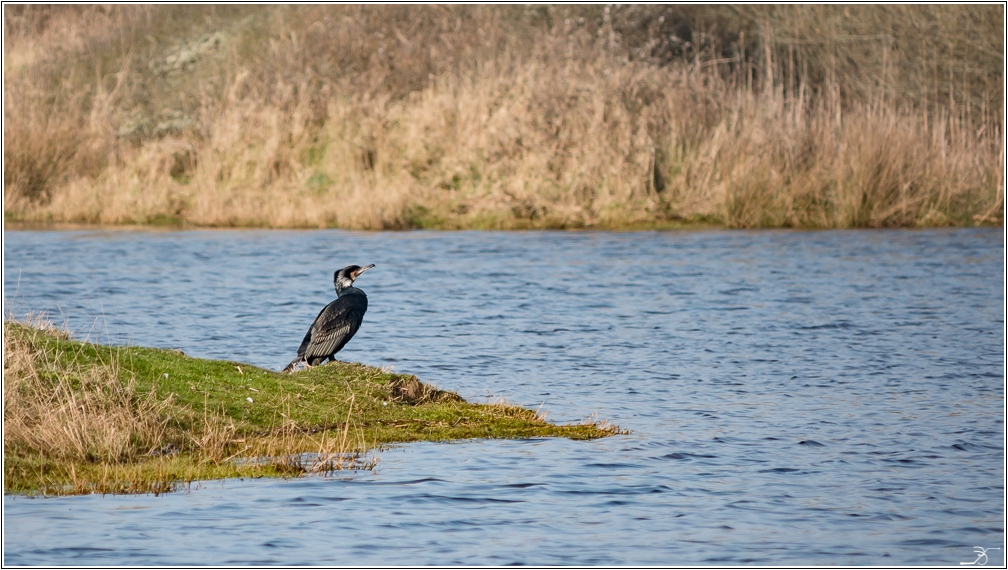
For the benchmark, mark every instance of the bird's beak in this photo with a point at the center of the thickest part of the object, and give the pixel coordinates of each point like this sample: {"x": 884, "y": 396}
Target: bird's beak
{"x": 362, "y": 270}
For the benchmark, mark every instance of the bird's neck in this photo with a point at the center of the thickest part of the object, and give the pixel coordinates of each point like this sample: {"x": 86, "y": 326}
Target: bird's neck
{"x": 349, "y": 291}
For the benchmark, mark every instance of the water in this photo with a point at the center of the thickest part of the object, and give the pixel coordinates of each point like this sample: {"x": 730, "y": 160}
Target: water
{"x": 794, "y": 397}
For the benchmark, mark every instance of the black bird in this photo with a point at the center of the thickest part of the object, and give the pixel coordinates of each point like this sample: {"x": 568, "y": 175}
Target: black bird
{"x": 336, "y": 324}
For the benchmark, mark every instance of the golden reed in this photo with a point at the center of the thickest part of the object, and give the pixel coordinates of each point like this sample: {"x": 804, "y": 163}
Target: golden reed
{"x": 378, "y": 117}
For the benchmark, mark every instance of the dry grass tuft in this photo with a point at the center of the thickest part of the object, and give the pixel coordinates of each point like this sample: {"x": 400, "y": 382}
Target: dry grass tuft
{"x": 410, "y": 390}
{"x": 214, "y": 436}
{"x": 297, "y": 449}
{"x": 54, "y": 406}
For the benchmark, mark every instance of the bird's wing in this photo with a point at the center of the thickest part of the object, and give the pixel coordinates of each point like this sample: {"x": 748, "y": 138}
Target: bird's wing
{"x": 308, "y": 335}
{"x": 336, "y": 325}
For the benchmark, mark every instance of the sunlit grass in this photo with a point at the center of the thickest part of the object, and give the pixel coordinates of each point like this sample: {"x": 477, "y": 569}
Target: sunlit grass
{"x": 81, "y": 418}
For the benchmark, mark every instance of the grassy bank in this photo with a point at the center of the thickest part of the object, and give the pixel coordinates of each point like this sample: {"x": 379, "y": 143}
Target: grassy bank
{"x": 385, "y": 117}
{"x": 85, "y": 418}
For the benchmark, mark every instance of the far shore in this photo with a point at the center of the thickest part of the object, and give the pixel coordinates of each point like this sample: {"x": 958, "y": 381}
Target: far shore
{"x": 77, "y": 226}
{"x": 614, "y": 118}
{"x": 660, "y": 227}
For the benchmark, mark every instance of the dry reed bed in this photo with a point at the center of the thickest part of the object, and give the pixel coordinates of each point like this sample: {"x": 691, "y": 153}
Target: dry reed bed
{"x": 397, "y": 117}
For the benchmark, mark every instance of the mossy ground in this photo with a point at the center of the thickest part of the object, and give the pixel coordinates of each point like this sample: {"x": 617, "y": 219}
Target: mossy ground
{"x": 229, "y": 419}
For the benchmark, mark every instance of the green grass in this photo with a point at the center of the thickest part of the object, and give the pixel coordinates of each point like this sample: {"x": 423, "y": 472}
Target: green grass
{"x": 229, "y": 419}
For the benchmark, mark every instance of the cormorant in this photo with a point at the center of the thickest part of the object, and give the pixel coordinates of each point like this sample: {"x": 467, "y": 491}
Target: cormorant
{"x": 336, "y": 324}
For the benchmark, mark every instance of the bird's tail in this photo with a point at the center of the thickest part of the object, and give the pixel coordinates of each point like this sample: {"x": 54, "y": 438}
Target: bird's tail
{"x": 294, "y": 363}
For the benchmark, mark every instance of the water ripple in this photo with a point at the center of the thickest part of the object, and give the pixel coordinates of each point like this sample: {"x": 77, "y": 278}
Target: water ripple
{"x": 794, "y": 398}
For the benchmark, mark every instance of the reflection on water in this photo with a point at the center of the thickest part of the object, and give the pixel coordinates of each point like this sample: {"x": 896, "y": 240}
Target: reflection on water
{"x": 795, "y": 397}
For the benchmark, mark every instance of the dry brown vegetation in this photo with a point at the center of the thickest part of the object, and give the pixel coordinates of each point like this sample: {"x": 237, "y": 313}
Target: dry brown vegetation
{"x": 66, "y": 412}
{"x": 456, "y": 117}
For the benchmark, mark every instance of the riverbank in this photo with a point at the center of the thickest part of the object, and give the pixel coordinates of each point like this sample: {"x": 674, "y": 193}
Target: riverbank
{"x": 86, "y": 418}
{"x": 403, "y": 117}
{"x": 183, "y": 226}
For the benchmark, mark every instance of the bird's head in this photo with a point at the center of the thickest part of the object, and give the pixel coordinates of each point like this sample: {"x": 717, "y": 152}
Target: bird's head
{"x": 344, "y": 278}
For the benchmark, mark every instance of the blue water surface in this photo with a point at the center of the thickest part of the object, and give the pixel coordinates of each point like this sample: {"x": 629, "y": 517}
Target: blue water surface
{"x": 793, "y": 397}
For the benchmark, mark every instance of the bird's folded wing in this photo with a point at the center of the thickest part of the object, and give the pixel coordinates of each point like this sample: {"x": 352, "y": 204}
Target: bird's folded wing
{"x": 325, "y": 343}
{"x": 335, "y": 325}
